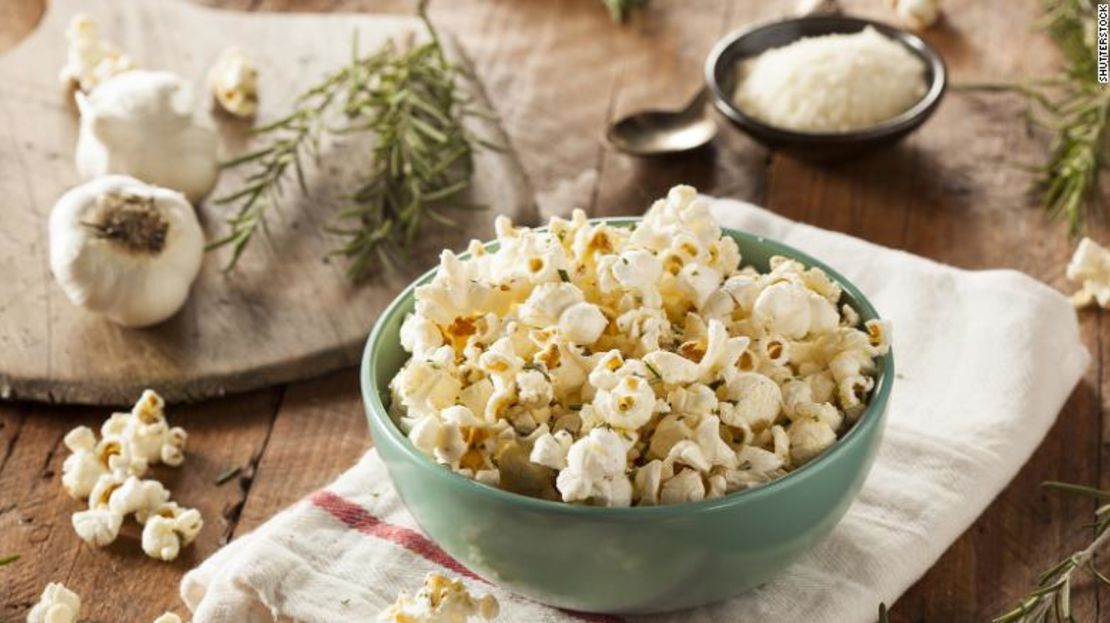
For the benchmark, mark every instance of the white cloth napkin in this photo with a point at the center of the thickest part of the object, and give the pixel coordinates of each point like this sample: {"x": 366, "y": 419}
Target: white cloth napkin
{"x": 985, "y": 361}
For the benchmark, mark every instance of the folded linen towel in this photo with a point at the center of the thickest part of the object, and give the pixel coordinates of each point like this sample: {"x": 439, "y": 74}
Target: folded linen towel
{"x": 985, "y": 362}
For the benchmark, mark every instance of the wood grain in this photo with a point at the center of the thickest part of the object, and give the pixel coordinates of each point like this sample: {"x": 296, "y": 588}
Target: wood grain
{"x": 287, "y": 312}
{"x": 119, "y": 583}
{"x": 947, "y": 193}
{"x": 320, "y": 429}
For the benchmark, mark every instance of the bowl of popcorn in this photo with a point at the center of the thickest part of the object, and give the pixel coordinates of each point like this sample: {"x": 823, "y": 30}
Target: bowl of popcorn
{"x": 628, "y": 415}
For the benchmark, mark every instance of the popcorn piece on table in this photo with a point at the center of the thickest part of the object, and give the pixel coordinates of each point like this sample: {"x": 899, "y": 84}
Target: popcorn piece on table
{"x": 166, "y": 531}
{"x": 233, "y": 81}
{"x": 168, "y": 617}
{"x": 441, "y": 600}
{"x": 1090, "y": 267}
{"x": 617, "y": 366}
{"x": 916, "y": 14}
{"x": 91, "y": 60}
{"x": 57, "y": 604}
{"x": 98, "y": 527}
{"x": 83, "y": 467}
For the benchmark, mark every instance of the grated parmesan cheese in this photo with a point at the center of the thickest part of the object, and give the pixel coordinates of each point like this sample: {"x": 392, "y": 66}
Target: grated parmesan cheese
{"x": 831, "y": 83}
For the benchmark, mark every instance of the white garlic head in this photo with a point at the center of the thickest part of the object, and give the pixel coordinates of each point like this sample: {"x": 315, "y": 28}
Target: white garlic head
{"x": 124, "y": 249}
{"x": 140, "y": 123}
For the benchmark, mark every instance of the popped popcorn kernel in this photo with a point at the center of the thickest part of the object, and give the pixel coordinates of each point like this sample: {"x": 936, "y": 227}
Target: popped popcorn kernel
{"x": 440, "y": 600}
{"x": 57, "y": 604}
{"x": 90, "y": 59}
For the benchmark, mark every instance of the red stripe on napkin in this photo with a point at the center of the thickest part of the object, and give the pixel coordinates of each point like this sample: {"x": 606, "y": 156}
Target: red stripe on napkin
{"x": 358, "y": 518}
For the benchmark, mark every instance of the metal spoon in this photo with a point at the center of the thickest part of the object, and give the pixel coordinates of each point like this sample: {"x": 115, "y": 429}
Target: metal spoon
{"x": 657, "y": 132}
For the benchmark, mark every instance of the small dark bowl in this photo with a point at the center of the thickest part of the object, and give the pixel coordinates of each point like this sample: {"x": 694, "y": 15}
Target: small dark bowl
{"x": 721, "y": 76}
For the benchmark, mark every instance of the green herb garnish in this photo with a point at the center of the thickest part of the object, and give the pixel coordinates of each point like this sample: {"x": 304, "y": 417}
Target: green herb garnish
{"x": 7, "y": 560}
{"x": 1051, "y": 599}
{"x": 538, "y": 368}
{"x": 1075, "y": 108}
{"x": 228, "y": 474}
{"x": 407, "y": 96}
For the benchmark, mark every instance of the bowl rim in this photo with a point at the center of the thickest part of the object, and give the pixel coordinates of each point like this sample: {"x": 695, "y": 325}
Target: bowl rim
{"x": 872, "y": 416}
{"x": 903, "y": 121}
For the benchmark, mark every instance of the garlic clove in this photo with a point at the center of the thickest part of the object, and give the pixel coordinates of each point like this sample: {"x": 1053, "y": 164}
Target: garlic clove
{"x": 140, "y": 123}
{"x": 124, "y": 249}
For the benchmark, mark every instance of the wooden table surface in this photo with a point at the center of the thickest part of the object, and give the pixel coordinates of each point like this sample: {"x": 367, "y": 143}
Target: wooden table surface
{"x": 556, "y": 72}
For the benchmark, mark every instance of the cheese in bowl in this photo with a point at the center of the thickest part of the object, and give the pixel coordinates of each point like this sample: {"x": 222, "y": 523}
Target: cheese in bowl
{"x": 630, "y": 366}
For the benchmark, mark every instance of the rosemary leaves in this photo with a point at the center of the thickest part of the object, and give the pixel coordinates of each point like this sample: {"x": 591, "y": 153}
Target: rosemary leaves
{"x": 1075, "y": 108}
{"x": 407, "y": 96}
{"x": 1051, "y": 600}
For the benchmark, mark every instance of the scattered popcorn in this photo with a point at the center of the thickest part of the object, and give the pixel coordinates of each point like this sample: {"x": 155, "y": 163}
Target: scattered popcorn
{"x": 166, "y": 532}
{"x": 84, "y": 466}
{"x": 108, "y": 473}
{"x": 97, "y": 526}
{"x": 441, "y": 600}
{"x": 58, "y": 604}
{"x": 630, "y": 366}
{"x": 233, "y": 81}
{"x": 916, "y": 14}
{"x": 1090, "y": 266}
{"x": 134, "y": 495}
{"x": 91, "y": 60}
{"x": 168, "y": 617}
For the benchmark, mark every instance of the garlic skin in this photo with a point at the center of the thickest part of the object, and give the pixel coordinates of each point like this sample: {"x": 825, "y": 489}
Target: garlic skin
{"x": 233, "y": 81}
{"x": 124, "y": 249}
{"x": 140, "y": 123}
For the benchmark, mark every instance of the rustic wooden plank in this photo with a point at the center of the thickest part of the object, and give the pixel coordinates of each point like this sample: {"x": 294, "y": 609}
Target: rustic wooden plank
{"x": 119, "y": 583}
{"x": 18, "y": 18}
{"x": 11, "y": 425}
{"x": 238, "y": 331}
{"x": 320, "y": 431}
{"x": 665, "y": 75}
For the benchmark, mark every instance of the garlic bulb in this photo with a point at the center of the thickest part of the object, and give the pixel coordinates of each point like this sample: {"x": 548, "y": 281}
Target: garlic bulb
{"x": 233, "y": 81}
{"x": 140, "y": 123}
{"x": 917, "y": 14}
{"x": 125, "y": 249}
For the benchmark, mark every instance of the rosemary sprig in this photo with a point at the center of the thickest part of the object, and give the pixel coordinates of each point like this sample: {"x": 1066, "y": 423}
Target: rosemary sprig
{"x": 620, "y": 9}
{"x": 229, "y": 473}
{"x": 407, "y": 96}
{"x": 1051, "y": 599}
{"x": 1075, "y": 109}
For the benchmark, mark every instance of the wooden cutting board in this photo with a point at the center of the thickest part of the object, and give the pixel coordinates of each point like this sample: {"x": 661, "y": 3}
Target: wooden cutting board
{"x": 287, "y": 312}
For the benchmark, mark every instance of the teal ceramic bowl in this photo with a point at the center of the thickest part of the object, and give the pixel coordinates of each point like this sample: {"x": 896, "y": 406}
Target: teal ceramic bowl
{"x": 625, "y": 560}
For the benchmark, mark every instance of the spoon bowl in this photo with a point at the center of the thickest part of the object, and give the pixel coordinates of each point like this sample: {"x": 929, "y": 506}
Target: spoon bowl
{"x": 658, "y": 132}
